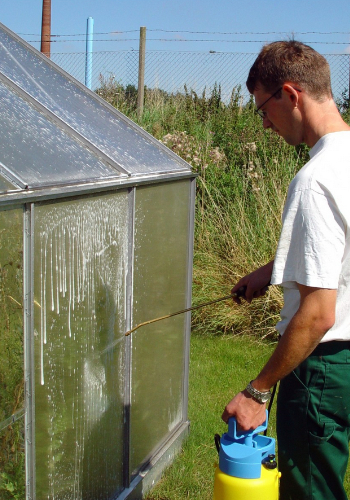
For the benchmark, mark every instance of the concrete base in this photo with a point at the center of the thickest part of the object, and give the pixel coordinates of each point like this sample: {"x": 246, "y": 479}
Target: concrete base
{"x": 151, "y": 474}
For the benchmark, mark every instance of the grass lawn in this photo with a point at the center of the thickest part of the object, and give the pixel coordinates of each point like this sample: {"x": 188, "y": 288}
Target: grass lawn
{"x": 220, "y": 367}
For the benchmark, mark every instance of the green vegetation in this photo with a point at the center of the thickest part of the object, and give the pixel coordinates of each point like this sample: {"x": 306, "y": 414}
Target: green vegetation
{"x": 243, "y": 175}
{"x": 219, "y": 367}
{"x": 12, "y": 483}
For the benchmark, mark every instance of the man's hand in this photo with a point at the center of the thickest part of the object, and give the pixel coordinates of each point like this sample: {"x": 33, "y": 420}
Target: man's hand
{"x": 256, "y": 283}
{"x": 249, "y": 413}
{"x": 316, "y": 314}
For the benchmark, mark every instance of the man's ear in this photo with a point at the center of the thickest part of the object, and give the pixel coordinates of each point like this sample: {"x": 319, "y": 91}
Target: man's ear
{"x": 292, "y": 93}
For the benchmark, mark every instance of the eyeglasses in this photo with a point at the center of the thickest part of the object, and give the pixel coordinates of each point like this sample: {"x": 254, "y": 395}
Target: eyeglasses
{"x": 262, "y": 113}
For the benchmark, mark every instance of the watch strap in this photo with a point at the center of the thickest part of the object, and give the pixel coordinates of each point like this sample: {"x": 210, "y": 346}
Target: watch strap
{"x": 260, "y": 397}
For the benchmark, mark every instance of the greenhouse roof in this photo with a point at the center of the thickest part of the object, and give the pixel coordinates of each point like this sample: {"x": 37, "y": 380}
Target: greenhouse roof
{"x": 56, "y": 132}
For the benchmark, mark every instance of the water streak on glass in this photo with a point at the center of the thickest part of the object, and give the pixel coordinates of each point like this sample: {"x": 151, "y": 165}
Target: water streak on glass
{"x": 80, "y": 274}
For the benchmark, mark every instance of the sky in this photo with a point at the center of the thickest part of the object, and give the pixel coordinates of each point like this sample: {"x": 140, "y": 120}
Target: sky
{"x": 220, "y": 25}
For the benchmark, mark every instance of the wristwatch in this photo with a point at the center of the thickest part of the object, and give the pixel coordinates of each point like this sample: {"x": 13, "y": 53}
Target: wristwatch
{"x": 260, "y": 397}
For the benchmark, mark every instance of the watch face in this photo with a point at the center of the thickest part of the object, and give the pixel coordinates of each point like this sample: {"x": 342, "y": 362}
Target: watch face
{"x": 262, "y": 398}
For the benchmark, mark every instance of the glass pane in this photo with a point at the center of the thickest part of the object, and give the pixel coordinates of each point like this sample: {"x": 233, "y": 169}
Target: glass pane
{"x": 160, "y": 285}
{"x": 5, "y": 185}
{"x": 112, "y": 134}
{"x": 40, "y": 153}
{"x": 80, "y": 274}
{"x": 12, "y": 476}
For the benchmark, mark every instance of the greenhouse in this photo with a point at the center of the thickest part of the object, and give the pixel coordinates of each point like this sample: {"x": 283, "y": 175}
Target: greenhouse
{"x": 96, "y": 223}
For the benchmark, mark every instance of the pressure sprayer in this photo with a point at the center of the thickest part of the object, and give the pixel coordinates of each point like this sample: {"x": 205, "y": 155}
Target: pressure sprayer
{"x": 247, "y": 467}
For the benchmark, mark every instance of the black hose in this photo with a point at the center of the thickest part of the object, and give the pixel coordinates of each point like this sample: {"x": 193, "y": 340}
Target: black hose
{"x": 270, "y": 403}
{"x": 217, "y": 442}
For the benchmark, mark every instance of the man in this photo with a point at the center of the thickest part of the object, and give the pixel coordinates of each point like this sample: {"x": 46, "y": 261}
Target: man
{"x": 291, "y": 86}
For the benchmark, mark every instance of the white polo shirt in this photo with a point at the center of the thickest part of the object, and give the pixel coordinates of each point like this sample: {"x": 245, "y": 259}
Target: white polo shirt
{"x": 314, "y": 246}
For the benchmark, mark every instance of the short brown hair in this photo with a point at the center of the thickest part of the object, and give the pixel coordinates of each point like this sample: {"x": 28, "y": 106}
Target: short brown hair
{"x": 291, "y": 61}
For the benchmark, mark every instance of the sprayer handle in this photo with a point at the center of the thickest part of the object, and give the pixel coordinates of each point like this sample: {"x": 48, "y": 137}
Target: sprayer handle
{"x": 232, "y": 429}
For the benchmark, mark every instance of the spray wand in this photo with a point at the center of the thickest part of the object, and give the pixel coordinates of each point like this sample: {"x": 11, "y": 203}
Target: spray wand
{"x": 240, "y": 293}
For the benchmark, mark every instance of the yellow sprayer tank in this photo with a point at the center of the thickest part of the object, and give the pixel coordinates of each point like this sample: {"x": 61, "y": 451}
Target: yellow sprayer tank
{"x": 247, "y": 467}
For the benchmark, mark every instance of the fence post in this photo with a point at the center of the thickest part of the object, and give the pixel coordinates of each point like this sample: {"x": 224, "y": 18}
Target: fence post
{"x": 141, "y": 82}
{"x": 88, "y": 54}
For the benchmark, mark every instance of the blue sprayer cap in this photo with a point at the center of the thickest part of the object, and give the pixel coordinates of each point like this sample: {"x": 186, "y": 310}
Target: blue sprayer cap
{"x": 241, "y": 453}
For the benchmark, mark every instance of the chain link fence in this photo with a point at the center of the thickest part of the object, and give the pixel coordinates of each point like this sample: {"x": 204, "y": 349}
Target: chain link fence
{"x": 171, "y": 71}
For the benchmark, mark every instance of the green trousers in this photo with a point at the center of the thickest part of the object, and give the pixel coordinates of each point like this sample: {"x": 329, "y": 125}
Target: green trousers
{"x": 313, "y": 425}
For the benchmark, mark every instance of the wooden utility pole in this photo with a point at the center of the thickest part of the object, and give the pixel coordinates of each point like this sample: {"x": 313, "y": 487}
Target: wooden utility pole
{"x": 141, "y": 84}
{"x": 46, "y": 28}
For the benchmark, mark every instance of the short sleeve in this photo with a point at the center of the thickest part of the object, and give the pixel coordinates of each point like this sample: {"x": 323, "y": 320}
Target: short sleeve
{"x": 312, "y": 241}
